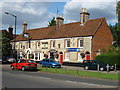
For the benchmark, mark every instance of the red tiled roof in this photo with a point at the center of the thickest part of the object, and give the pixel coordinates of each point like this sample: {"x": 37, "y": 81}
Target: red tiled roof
{"x": 64, "y": 31}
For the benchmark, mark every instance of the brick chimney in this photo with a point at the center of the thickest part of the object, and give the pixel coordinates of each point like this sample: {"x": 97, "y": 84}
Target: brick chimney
{"x": 10, "y": 31}
{"x": 84, "y": 16}
{"x": 59, "y": 21}
{"x": 24, "y": 26}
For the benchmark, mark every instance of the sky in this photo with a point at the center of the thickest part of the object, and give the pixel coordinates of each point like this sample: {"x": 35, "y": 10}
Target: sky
{"x": 37, "y": 13}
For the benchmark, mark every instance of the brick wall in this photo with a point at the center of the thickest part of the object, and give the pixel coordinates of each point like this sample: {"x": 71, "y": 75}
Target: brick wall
{"x": 102, "y": 39}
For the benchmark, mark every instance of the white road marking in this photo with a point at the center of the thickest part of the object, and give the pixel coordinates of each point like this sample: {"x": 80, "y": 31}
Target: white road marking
{"x": 91, "y": 84}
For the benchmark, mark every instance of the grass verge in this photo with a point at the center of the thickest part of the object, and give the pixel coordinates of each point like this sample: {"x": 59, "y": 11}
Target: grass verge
{"x": 101, "y": 75}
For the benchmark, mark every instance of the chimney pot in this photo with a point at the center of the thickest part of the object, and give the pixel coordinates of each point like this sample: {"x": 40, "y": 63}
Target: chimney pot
{"x": 84, "y": 16}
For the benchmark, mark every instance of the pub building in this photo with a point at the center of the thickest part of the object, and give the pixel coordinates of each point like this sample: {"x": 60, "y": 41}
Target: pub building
{"x": 71, "y": 42}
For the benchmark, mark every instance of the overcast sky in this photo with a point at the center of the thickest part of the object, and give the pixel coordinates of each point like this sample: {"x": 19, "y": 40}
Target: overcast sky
{"x": 37, "y": 13}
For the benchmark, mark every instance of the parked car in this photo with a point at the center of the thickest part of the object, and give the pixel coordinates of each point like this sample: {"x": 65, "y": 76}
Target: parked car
{"x": 24, "y": 65}
{"x": 93, "y": 65}
{"x": 50, "y": 63}
{"x": 11, "y": 59}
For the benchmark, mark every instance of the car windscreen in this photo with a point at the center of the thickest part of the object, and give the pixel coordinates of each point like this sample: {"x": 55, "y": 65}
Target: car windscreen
{"x": 52, "y": 60}
{"x": 31, "y": 61}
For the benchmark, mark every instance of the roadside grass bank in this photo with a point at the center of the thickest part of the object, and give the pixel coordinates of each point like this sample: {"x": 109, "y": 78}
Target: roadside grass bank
{"x": 110, "y": 76}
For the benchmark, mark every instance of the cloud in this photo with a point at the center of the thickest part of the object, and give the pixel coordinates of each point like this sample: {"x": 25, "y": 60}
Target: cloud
{"x": 96, "y": 8}
{"x": 35, "y": 13}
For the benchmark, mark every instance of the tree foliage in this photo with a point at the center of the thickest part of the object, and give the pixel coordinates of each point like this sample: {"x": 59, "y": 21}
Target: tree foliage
{"x": 118, "y": 28}
{"x": 115, "y": 32}
{"x": 52, "y": 22}
{"x": 6, "y": 48}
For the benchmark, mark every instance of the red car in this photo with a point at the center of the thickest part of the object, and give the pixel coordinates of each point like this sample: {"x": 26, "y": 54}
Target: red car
{"x": 24, "y": 65}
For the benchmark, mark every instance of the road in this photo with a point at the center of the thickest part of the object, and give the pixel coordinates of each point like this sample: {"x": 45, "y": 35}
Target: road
{"x": 31, "y": 79}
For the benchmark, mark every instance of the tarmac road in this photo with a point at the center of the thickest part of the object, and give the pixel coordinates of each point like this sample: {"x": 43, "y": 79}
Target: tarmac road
{"x": 20, "y": 79}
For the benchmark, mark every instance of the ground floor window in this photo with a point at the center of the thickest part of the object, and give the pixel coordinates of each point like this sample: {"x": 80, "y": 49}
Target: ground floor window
{"x": 21, "y": 56}
{"x": 67, "y": 56}
{"x": 37, "y": 56}
{"x": 81, "y": 57}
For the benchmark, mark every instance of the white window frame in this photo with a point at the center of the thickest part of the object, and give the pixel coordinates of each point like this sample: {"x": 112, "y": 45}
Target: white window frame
{"x": 21, "y": 46}
{"x": 67, "y": 56}
{"x": 38, "y": 47}
{"x": 80, "y": 57}
{"x": 21, "y": 55}
{"x": 52, "y": 44}
{"x": 67, "y": 43}
{"x": 39, "y": 56}
{"x": 79, "y": 43}
{"x": 36, "y": 55}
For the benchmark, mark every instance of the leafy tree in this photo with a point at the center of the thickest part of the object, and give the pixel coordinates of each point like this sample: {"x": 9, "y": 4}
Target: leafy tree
{"x": 114, "y": 31}
{"x": 6, "y": 48}
{"x": 118, "y": 15}
{"x": 52, "y": 22}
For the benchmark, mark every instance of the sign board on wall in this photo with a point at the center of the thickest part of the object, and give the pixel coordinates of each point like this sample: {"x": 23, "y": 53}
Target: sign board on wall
{"x": 73, "y": 50}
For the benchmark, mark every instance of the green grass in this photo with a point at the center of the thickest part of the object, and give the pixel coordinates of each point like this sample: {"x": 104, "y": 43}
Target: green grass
{"x": 101, "y": 75}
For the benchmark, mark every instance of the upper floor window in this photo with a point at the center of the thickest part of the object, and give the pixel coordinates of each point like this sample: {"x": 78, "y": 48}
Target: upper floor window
{"x": 53, "y": 44}
{"x": 29, "y": 44}
{"x": 38, "y": 45}
{"x": 80, "y": 43}
{"x": 67, "y": 43}
{"x": 21, "y": 46}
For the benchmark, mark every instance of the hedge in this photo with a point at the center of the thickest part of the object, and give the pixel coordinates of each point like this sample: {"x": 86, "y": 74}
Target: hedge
{"x": 111, "y": 58}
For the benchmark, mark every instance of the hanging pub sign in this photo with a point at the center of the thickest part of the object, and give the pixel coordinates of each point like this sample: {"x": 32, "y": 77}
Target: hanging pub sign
{"x": 73, "y": 49}
{"x": 53, "y": 51}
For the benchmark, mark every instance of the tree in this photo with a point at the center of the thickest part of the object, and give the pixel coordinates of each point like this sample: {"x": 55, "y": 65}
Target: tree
{"x": 52, "y": 22}
{"x": 6, "y": 47}
{"x": 114, "y": 31}
{"x": 118, "y": 28}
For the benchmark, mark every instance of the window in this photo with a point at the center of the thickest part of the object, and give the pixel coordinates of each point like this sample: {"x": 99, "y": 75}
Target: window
{"x": 22, "y": 61}
{"x": 21, "y": 55}
{"x": 29, "y": 44}
{"x": 80, "y": 43}
{"x": 67, "y": 56}
{"x": 53, "y": 44}
{"x": 58, "y": 45}
{"x": 26, "y": 45}
{"x": 67, "y": 43}
{"x": 21, "y": 46}
{"x": 36, "y": 56}
{"x": 38, "y": 45}
{"x": 31, "y": 61}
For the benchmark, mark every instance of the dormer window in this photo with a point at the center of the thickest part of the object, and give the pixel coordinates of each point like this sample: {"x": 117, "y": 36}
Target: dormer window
{"x": 25, "y": 35}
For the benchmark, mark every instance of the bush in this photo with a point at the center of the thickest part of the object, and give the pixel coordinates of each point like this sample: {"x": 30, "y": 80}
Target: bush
{"x": 111, "y": 58}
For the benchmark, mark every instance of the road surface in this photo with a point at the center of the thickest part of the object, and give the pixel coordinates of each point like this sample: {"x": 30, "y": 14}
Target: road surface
{"x": 31, "y": 79}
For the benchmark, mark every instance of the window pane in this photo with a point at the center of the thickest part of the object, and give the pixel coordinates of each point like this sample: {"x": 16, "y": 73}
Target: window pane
{"x": 81, "y": 42}
{"x": 68, "y": 43}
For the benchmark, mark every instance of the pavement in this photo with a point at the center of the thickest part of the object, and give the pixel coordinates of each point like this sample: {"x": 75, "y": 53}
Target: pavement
{"x": 82, "y": 69}
{"x": 77, "y": 66}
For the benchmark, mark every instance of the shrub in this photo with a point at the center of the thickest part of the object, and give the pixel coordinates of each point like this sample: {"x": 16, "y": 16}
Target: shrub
{"x": 111, "y": 58}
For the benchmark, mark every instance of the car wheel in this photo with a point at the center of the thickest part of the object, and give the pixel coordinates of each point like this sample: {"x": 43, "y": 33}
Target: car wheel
{"x": 101, "y": 69}
{"x": 86, "y": 68}
{"x": 12, "y": 67}
{"x": 23, "y": 68}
